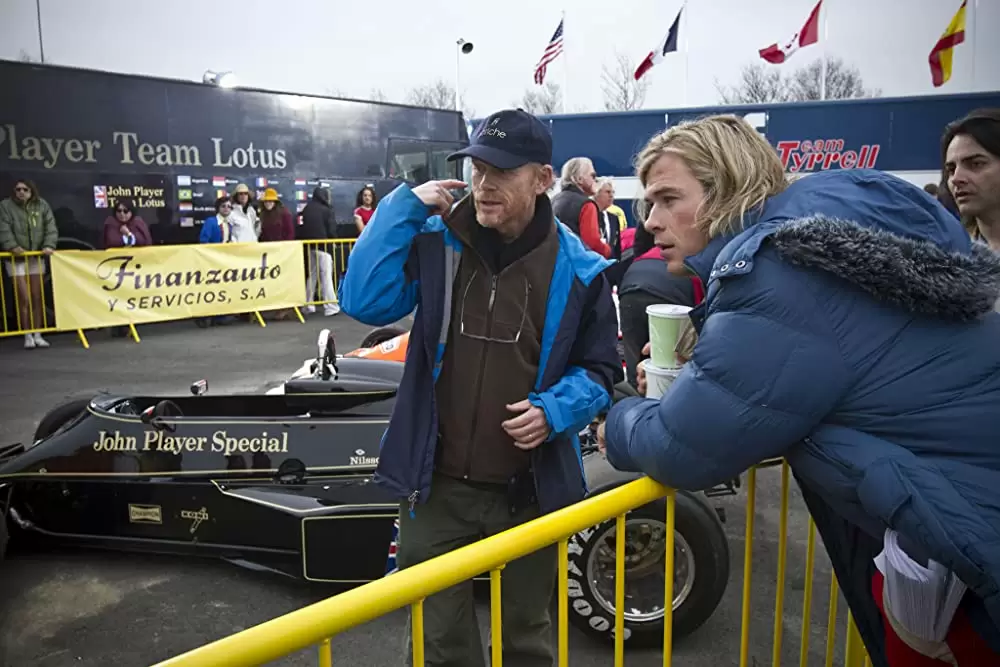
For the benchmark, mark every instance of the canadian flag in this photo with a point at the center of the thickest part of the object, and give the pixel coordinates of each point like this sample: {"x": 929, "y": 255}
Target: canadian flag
{"x": 809, "y": 34}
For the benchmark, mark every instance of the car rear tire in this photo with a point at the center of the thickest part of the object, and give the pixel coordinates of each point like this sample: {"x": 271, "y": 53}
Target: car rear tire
{"x": 701, "y": 567}
{"x": 58, "y": 416}
{"x": 381, "y": 335}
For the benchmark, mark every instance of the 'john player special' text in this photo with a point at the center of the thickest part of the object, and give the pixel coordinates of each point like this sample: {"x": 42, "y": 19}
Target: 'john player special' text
{"x": 219, "y": 442}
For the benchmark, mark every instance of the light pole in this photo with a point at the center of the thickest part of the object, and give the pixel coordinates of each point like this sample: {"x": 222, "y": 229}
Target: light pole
{"x": 461, "y": 46}
{"x": 41, "y": 42}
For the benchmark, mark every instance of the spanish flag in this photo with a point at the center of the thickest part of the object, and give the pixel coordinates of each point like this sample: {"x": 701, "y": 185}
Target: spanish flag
{"x": 940, "y": 58}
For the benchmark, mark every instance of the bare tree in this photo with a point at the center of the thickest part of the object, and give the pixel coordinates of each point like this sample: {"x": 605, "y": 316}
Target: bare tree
{"x": 621, "y": 91}
{"x": 547, "y": 99}
{"x": 843, "y": 81}
{"x": 757, "y": 85}
{"x": 333, "y": 91}
{"x": 377, "y": 95}
{"x": 761, "y": 84}
{"x": 438, "y": 95}
{"x": 26, "y": 57}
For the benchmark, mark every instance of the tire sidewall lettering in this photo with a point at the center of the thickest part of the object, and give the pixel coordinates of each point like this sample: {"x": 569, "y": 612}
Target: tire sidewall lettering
{"x": 582, "y": 602}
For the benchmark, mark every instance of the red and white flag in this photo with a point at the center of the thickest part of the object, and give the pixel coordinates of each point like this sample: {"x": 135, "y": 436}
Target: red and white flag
{"x": 667, "y": 45}
{"x": 809, "y": 34}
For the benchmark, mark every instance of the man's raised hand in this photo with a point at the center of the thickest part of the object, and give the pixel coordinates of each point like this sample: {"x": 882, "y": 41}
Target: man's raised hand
{"x": 435, "y": 195}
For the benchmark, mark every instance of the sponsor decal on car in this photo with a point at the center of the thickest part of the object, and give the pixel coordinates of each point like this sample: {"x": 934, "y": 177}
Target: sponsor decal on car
{"x": 196, "y": 517}
{"x": 359, "y": 459}
{"x": 145, "y": 514}
{"x": 390, "y": 564}
{"x": 220, "y": 442}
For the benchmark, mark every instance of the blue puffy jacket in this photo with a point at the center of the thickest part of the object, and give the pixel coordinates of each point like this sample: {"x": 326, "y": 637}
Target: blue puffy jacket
{"x": 850, "y": 328}
{"x": 405, "y": 260}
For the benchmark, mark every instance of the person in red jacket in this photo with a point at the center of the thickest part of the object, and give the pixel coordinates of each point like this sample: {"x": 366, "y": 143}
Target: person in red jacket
{"x": 575, "y": 208}
{"x": 125, "y": 228}
{"x": 276, "y": 222}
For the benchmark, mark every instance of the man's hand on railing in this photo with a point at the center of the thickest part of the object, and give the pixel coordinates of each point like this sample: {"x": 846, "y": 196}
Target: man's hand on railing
{"x": 17, "y": 250}
{"x": 48, "y": 251}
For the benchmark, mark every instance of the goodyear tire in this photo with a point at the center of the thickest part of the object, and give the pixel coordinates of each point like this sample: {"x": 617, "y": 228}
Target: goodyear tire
{"x": 701, "y": 567}
{"x": 58, "y": 416}
{"x": 381, "y": 335}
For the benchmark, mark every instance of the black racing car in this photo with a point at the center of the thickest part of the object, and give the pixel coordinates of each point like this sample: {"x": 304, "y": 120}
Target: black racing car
{"x": 283, "y": 482}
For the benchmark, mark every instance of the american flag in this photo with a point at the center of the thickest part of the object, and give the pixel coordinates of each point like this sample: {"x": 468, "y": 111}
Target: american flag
{"x": 552, "y": 51}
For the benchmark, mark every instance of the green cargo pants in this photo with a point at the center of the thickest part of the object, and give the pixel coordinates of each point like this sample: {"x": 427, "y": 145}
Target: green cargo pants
{"x": 455, "y": 515}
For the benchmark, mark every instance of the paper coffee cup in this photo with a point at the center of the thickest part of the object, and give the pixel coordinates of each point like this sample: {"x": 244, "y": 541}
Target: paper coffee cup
{"x": 659, "y": 379}
{"x": 665, "y": 322}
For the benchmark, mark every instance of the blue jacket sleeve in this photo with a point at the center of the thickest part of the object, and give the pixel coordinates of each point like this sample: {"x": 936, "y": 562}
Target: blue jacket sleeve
{"x": 594, "y": 367}
{"x": 764, "y": 374}
{"x": 209, "y": 230}
{"x": 377, "y": 290}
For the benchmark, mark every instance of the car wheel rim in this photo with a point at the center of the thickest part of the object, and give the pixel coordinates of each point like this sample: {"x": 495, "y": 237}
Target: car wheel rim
{"x": 645, "y": 552}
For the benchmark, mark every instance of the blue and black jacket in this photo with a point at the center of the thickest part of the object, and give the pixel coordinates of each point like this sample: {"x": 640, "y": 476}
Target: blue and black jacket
{"x": 405, "y": 260}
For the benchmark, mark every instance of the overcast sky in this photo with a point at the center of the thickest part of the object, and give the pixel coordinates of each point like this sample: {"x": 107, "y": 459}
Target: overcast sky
{"x": 318, "y": 46}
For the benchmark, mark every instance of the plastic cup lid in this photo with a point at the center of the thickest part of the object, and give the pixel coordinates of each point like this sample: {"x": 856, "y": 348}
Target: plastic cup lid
{"x": 668, "y": 310}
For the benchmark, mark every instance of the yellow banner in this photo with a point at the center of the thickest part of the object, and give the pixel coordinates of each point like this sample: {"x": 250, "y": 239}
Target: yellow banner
{"x": 100, "y": 288}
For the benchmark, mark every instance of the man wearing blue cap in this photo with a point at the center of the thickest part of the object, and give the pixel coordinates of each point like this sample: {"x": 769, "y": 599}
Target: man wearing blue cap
{"x": 512, "y": 353}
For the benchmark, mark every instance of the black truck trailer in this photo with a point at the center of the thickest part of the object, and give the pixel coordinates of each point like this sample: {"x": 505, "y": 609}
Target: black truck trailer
{"x": 87, "y": 138}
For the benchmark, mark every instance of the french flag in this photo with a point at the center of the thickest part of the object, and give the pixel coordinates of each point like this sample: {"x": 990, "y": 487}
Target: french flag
{"x": 668, "y": 45}
{"x": 809, "y": 34}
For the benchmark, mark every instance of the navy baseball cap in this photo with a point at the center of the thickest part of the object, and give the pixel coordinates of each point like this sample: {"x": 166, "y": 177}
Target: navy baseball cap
{"x": 509, "y": 139}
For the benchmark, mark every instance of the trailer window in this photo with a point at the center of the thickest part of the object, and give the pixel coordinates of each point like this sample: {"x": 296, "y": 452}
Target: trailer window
{"x": 410, "y": 167}
{"x": 422, "y": 161}
{"x": 441, "y": 168}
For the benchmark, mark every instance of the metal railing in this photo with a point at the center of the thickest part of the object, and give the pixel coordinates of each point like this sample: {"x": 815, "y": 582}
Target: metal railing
{"x": 24, "y": 307}
{"x": 326, "y": 263}
{"x": 316, "y": 624}
{"x": 27, "y": 299}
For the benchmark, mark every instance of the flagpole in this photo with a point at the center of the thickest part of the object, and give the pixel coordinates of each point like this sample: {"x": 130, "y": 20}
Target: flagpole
{"x": 972, "y": 40}
{"x": 823, "y": 19}
{"x": 565, "y": 95}
{"x": 684, "y": 27}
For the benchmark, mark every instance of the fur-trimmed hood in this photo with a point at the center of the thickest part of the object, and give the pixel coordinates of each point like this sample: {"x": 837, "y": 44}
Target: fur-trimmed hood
{"x": 882, "y": 234}
{"x": 915, "y": 274}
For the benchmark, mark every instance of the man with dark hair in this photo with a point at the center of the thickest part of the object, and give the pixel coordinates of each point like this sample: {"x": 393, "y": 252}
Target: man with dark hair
{"x": 319, "y": 224}
{"x": 511, "y": 354}
{"x": 970, "y": 151}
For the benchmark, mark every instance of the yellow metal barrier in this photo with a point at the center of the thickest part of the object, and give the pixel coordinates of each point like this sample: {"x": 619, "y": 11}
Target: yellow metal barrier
{"x": 326, "y": 262}
{"x": 313, "y": 624}
{"x": 316, "y": 624}
{"x": 25, "y": 309}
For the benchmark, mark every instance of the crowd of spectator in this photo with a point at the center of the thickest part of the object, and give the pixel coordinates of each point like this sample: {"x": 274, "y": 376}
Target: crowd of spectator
{"x": 27, "y": 225}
